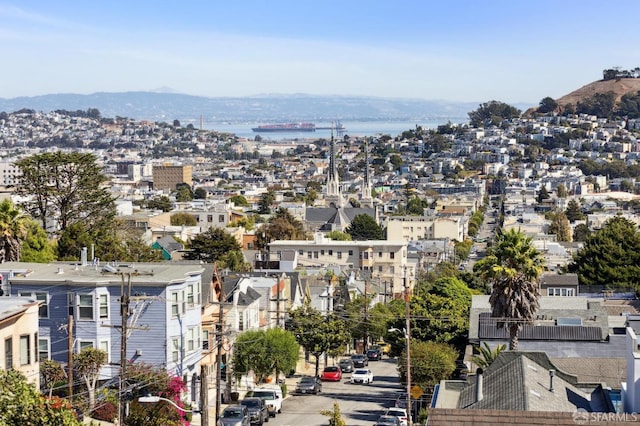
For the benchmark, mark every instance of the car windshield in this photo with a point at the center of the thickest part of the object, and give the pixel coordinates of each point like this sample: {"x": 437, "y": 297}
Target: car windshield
{"x": 232, "y": 414}
{"x": 331, "y": 369}
{"x": 345, "y": 361}
{"x": 357, "y": 357}
{"x": 307, "y": 380}
{"x": 264, "y": 394}
{"x": 251, "y": 403}
{"x": 360, "y": 372}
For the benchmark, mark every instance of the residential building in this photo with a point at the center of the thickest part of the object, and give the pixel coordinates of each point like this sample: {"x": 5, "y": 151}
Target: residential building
{"x": 164, "y": 320}
{"x": 21, "y": 348}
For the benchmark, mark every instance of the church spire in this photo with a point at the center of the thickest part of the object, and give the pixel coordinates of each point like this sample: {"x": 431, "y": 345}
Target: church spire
{"x": 366, "y": 186}
{"x": 333, "y": 182}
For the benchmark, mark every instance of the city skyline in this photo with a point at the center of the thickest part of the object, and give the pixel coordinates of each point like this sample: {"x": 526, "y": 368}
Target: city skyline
{"x": 457, "y": 50}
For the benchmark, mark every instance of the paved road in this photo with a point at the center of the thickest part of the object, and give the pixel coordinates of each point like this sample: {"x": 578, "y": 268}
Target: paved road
{"x": 359, "y": 404}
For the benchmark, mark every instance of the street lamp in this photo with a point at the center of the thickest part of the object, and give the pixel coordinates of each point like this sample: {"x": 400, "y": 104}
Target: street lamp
{"x": 155, "y": 399}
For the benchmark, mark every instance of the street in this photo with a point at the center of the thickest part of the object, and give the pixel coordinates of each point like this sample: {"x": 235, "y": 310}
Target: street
{"x": 359, "y": 404}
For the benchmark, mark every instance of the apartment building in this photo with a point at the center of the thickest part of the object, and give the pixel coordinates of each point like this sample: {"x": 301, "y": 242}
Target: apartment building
{"x": 22, "y": 349}
{"x": 166, "y": 177}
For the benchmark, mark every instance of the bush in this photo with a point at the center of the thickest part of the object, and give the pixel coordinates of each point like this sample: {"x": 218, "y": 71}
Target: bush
{"x": 105, "y": 411}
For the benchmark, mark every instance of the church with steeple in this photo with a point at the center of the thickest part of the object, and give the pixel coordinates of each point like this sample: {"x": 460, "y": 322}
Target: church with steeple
{"x": 338, "y": 213}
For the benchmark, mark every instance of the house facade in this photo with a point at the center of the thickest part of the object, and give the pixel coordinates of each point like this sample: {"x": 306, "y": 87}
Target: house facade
{"x": 164, "y": 311}
{"x": 21, "y": 345}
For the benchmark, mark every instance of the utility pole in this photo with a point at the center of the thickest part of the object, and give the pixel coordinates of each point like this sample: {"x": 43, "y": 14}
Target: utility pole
{"x": 219, "y": 361}
{"x": 125, "y": 294}
{"x": 366, "y": 318}
{"x": 70, "y": 350}
{"x": 408, "y": 337}
{"x": 204, "y": 397}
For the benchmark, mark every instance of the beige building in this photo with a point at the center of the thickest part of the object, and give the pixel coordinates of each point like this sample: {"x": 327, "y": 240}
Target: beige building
{"x": 413, "y": 228}
{"x": 166, "y": 177}
{"x": 385, "y": 259}
{"x": 21, "y": 348}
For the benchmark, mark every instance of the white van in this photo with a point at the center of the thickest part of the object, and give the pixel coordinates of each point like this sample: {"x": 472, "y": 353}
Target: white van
{"x": 272, "y": 396}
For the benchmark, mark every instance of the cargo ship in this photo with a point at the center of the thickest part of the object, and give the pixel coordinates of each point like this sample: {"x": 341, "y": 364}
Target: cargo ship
{"x": 286, "y": 127}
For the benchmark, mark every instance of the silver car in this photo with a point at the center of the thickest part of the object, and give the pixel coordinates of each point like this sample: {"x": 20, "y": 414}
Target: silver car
{"x": 234, "y": 415}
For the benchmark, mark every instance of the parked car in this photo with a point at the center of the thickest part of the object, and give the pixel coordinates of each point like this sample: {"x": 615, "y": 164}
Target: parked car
{"x": 346, "y": 365}
{"x": 361, "y": 375}
{"x": 374, "y": 354}
{"x": 272, "y": 397}
{"x": 331, "y": 373}
{"x": 385, "y": 348}
{"x": 234, "y": 415}
{"x": 387, "y": 421}
{"x": 309, "y": 384}
{"x": 401, "y": 401}
{"x": 359, "y": 360}
{"x": 400, "y": 413}
{"x": 258, "y": 413}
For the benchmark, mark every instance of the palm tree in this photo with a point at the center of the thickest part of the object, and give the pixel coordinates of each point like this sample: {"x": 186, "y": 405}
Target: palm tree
{"x": 486, "y": 355}
{"x": 513, "y": 268}
{"x": 13, "y": 230}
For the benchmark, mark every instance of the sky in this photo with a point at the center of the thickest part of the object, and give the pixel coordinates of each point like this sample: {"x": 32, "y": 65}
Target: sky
{"x": 458, "y": 50}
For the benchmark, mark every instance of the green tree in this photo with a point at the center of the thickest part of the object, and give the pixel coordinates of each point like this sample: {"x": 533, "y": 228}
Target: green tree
{"x": 561, "y": 191}
{"x": 183, "y": 219}
{"x": 72, "y": 240}
{"x": 610, "y": 256}
{"x": 51, "y": 372}
{"x": 22, "y": 404}
{"x": 184, "y": 193}
{"x": 335, "y": 416}
{"x": 266, "y": 200}
{"x": 36, "y": 247}
{"x": 365, "y": 321}
{"x": 13, "y": 230}
{"x": 513, "y": 268}
{"x": 543, "y": 194}
{"x": 234, "y": 261}
{"x": 65, "y": 188}
{"x": 486, "y": 355}
{"x": 581, "y": 232}
{"x": 338, "y": 236}
{"x": 317, "y": 333}
{"x": 560, "y": 226}
{"x": 134, "y": 249}
{"x": 547, "y": 105}
{"x": 282, "y": 226}
{"x": 211, "y": 245}
{"x": 363, "y": 227}
{"x": 87, "y": 364}
{"x": 415, "y": 207}
{"x": 574, "y": 211}
{"x": 492, "y": 113}
{"x": 160, "y": 203}
{"x": 239, "y": 201}
{"x": 431, "y": 362}
{"x": 200, "y": 193}
{"x": 273, "y": 351}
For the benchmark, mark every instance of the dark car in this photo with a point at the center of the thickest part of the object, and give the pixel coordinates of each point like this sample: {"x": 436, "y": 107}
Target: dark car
{"x": 346, "y": 365}
{"x": 359, "y": 360}
{"x": 258, "y": 413}
{"x": 387, "y": 421}
{"x": 374, "y": 354}
{"x": 234, "y": 415}
{"x": 309, "y": 384}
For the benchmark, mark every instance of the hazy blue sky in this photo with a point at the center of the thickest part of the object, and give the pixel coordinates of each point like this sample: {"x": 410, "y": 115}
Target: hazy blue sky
{"x": 474, "y": 50}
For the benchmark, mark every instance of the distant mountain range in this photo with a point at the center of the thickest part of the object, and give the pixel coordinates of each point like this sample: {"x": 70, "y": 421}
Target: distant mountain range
{"x": 264, "y": 108}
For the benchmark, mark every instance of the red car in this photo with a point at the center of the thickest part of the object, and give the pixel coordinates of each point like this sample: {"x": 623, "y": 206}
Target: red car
{"x": 331, "y": 374}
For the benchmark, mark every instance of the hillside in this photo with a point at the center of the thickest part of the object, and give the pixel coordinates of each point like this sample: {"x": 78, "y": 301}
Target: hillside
{"x": 620, "y": 87}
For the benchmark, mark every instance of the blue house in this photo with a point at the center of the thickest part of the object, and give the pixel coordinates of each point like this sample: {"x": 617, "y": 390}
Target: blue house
{"x": 164, "y": 310}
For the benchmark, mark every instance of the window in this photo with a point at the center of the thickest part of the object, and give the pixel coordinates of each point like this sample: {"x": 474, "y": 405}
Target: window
{"x": 321, "y": 252}
{"x": 25, "y": 350}
{"x": 330, "y": 252}
{"x": 175, "y": 352}
{"x": 339, "y": 255}
{"x": 103, "y": 345}
{"x": 205, "y": 340}
{"x": 380, "y": 268}
{"x": 366, "y": 255}
{"x": 43, "y": 349}
{"x": 104, "y": 305}
{"x": 241, "y": 321}
{"x": 392, "y": 255}
{"x": 315, "y": 254}
{"x": 350, "y": 252}
{"x": 191, "y": 339}
{"x": 8, "y": 353}
{"x": 560, "y": 291}
{"x": 175, "y": 305}
{"x": 84, "y": 344}
{"x": 221, "y": 218}
{"x": 301, "y": 252}
{"x": 43, "y": 310}
{"x": 190, "y": 296}
{"x": 379, "y": 254}
{"x": 85, "y": 306}
{"x": 209, "y": 218}
{"x": 308, "y": 255}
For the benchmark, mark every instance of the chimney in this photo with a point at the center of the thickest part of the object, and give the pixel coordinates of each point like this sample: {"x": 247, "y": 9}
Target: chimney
{"x": 551, "y": 374}
{"x": 479, "y": 385}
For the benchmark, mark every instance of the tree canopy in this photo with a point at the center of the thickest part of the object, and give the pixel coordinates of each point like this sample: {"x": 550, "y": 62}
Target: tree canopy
{"x": 267, "y": 352}
{"x": 610, "y": 256}
{"x": 492, "y": 113}
{"x": 65, "y": 188}
{"x": 363, "y": 227}
{"x": 212, "y": 245}
{"x": 513, "y": 267}
{"x": 282, "y": 226}
{"x": 431, "y": 362}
